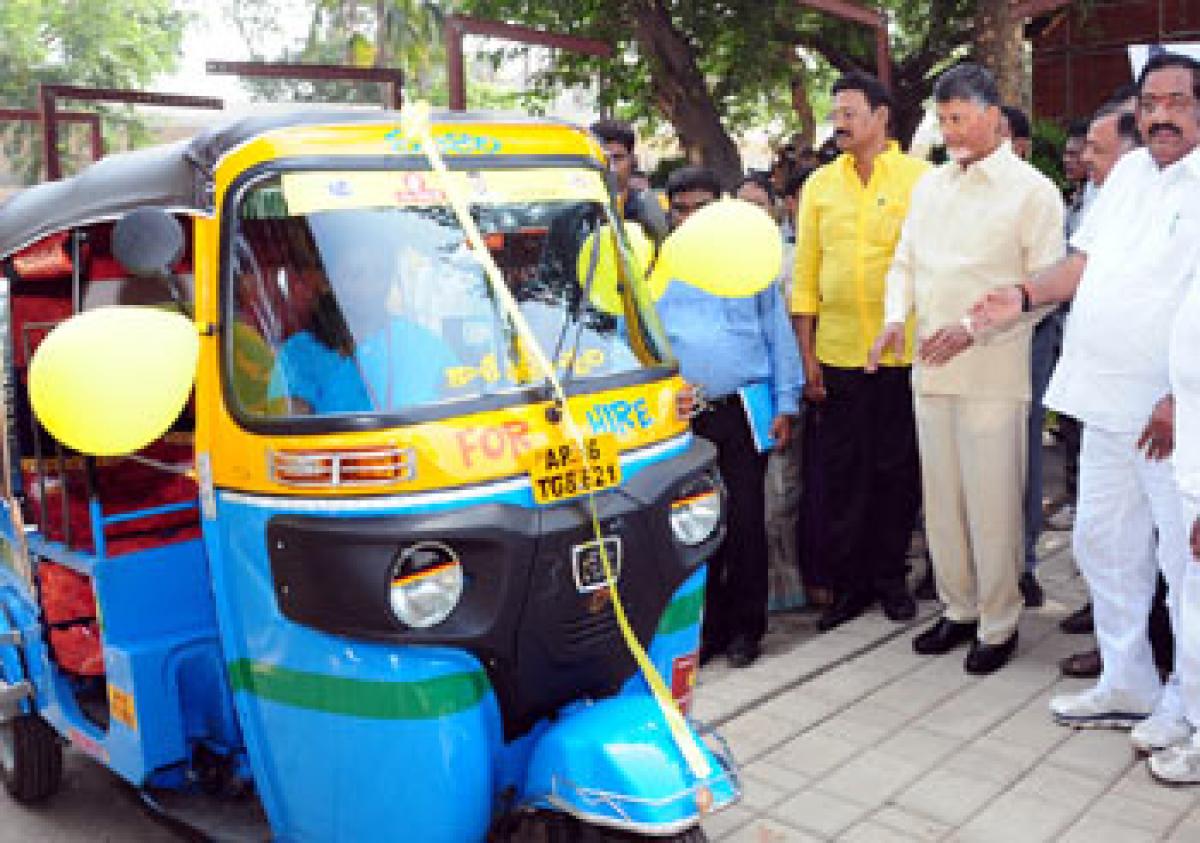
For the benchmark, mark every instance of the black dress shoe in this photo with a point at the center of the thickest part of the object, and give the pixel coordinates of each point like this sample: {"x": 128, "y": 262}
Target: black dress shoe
{"x": 846, "y": 607}
{"x": 1031, "y": 590}
{"x": 743, "y": 651}
{"x": 1078, "y": 622}
{"x": 1086, "y": 665}
{"x": 898, "y": 605}
{"x": 983, "y": 659}
{"x": 944, "y": 636}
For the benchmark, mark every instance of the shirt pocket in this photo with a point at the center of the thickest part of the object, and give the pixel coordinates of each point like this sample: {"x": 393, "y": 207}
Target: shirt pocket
{"x": 884, "y": 222}
{"x": 739, "y": 317}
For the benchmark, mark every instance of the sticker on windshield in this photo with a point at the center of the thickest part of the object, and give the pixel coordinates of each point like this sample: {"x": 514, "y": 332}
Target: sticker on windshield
{"x": 584, "y": 363}
{"x": 307, "y": 193}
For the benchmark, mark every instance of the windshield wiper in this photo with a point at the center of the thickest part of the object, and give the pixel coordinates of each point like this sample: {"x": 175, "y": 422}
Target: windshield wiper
{"x": 576, "y": 312}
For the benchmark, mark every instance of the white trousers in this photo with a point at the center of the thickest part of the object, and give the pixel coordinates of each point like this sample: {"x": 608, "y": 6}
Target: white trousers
{"x": 1125, "y": 502}
{"x": 1187, "y": 640}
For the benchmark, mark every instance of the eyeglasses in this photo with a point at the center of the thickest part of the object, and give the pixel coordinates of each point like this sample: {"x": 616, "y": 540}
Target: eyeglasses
{"x": 1171, "y": 103}
{"x": 847, "y": 114}
{"x": 685, "y": 208}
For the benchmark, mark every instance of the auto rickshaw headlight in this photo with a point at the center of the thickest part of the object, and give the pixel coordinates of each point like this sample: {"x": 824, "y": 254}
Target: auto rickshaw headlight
{"x": 696, "y": 512}
{"x": 426, "y": 584}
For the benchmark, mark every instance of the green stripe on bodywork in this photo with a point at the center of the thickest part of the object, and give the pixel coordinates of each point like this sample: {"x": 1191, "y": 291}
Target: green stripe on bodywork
{"x": 682, "y": 612}
{"x": 437, "y": 697}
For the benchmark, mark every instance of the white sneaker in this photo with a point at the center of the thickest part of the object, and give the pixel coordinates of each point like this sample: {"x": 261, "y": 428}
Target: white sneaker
{"x": 1161, "y": 730}
{"x": 1097, "y": 709}
{"x": 1176, "y": 765}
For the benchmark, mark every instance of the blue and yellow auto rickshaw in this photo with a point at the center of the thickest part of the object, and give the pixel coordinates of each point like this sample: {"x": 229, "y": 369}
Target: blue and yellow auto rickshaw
{"x": 415, "y": 551}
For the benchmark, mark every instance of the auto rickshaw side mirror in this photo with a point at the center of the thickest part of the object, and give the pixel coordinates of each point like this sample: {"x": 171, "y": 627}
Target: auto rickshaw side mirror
{"x": 148, "y": 242}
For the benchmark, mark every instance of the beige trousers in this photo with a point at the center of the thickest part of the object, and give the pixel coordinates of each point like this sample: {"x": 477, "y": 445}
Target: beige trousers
{"x": 973, "y": 478}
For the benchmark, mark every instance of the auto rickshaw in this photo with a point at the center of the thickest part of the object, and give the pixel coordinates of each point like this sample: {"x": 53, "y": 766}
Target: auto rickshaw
{"x": 359, "y": 567}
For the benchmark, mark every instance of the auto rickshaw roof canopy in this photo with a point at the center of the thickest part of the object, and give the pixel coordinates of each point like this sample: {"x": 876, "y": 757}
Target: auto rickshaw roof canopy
{"x": 177, "y": 177}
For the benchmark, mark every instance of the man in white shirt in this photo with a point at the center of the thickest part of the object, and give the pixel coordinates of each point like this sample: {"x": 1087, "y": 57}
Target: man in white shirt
{"x": 1128, "y": 271}
{"x": 1181, "y": 764}
{"x": 1111, "y": 134}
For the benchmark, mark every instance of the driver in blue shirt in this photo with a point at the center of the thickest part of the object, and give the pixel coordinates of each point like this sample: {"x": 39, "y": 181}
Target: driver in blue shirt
{"x": 724, "y": 345}
{"x": 326, "y": 369}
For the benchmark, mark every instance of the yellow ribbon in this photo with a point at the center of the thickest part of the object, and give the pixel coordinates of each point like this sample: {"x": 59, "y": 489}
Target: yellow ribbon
{"x": 416, "y": 124}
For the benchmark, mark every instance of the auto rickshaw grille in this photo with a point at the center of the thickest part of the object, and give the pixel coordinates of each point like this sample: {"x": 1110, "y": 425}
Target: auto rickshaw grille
{"x": 584, "y": 635}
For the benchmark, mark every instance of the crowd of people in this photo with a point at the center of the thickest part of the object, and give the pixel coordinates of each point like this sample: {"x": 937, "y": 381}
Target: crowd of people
{"x": 936, "y": 314}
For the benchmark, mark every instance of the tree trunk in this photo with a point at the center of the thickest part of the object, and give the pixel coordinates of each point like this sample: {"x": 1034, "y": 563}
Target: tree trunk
{"x": 998, "y": 46}
{"x": 383, "y": 56}
{"x": 681, "y": 92}
{"x": 803, "y": 107}
{"x": 909, "y": 94}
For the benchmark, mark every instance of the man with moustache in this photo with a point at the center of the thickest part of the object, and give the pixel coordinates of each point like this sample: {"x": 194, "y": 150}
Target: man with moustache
{"x": 850, "y": 216}
{"x": 982, "y": 221}
{"x": 1127, "y": 273}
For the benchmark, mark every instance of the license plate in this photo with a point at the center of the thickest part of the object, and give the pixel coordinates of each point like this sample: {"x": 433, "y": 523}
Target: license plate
{"x": 560, "y": 471}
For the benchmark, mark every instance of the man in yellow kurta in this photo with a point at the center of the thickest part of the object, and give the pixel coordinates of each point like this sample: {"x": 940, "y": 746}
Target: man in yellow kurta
{"x": 986, "y": 219}
{"x": 849, "y": 221}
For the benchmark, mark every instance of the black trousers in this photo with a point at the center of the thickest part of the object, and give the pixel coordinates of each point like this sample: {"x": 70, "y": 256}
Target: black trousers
{"x": 1162, "y": 639}
{"x": 811, "y": 527}
{"x": 869, "y": 464}
{"x": 735, "y": 602}
{"x": 1070, "y": 431}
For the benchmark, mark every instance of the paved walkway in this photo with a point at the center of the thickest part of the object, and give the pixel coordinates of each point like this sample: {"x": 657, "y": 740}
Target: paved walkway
{"x": 851, "y": 736}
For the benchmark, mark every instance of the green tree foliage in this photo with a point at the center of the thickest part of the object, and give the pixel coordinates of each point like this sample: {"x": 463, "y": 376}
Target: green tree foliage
{"x": 114, "y": 43}
{"x": 710, "y": 70}
{"x": 747, "y": 56}
{"x": 1049, "y": 139}
{"x": 404, "y": 34}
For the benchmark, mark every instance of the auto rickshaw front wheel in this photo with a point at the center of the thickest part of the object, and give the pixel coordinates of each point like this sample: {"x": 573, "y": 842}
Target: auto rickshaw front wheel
{"x": 31, "y": 758}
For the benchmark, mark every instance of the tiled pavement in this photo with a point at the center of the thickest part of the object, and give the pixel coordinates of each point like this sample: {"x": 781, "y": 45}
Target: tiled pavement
{"x": 851, "y": 736}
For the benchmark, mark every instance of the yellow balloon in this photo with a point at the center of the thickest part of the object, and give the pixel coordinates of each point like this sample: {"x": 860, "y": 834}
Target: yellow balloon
{"x": 111, "y": 381}
{"x": 729, "y": 248}
{"x": 604, "y": 294}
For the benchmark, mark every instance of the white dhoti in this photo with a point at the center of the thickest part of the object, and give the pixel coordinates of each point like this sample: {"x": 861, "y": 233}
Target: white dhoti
{"x": 1125, "y": 501}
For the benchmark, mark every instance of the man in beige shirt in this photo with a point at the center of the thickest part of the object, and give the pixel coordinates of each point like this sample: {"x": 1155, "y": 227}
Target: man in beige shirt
{"x": 985, "y": 219}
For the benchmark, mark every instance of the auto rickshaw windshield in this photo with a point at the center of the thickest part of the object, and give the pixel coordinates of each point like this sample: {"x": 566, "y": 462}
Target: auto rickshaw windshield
{"x": 359, "y": 292}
